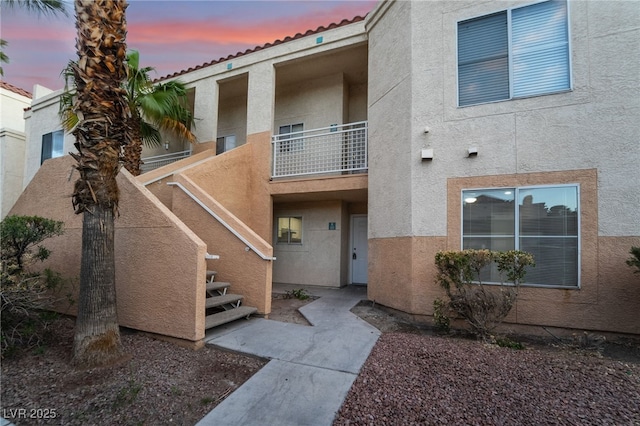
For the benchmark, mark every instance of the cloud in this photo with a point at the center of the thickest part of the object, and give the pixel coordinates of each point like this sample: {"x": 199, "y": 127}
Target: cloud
{"x": 170, "y": 36}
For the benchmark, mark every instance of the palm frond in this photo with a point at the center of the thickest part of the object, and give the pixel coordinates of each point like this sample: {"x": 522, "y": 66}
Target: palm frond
{"x": 3, "y": 56}
{"x": 150, "y": 134}
{"x": 39, "y": 6}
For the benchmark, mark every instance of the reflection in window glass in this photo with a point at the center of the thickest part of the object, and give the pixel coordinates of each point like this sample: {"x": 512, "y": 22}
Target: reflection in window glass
{"x": 547, "y": 227}
{"x": 289, "y": 230}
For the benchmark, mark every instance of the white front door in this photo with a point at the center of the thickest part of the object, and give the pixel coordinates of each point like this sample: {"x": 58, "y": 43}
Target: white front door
{"x": 359, "y": 249}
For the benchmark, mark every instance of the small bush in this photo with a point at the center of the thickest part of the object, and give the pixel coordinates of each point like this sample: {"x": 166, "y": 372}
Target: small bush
{"x": 441, "y": 316}
{"x": 481, "y": 307}
{"x": 505, "y": 342}
{"x": 634, "y": 260}
{"x": 23, "y": 294}
{"x": 300, "y": 294}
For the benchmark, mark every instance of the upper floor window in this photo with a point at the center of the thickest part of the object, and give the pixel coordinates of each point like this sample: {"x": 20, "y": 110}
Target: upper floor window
{"x": 225, "y": 143}
{"x": 543, "y": 221}
{"x": 291, "y": 139}
{"x": 514, "y": 53}
{"x": 52, "y": 145}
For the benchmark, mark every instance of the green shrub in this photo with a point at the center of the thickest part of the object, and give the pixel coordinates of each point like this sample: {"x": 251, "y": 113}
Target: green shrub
{"x": 23, "y": 294}
{"x": 634, "y": 260}
{"x": 441, "y": 316}
{"x": 481, "y": 307}
{"x": 19, "y": 235}
{"x": 300, "y": 294}
{"x": 505, "y": 342}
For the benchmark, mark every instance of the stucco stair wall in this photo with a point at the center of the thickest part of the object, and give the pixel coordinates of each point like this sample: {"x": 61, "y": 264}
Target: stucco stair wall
{"x": 160, "y": 262}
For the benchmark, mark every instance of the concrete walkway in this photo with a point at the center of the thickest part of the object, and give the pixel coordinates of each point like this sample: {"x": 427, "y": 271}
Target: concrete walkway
{"x": 311, "y": 368}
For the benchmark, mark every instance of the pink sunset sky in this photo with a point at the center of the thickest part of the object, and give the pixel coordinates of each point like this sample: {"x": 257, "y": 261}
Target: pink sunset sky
{"x": 171, "y": 35}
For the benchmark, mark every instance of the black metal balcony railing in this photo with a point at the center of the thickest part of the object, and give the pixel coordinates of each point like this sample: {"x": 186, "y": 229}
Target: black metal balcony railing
{"x": 341, "y": 148}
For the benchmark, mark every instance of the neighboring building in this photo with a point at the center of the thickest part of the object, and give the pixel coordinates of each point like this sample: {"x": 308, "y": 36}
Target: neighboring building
{"x": 353, "y": 153}
{"x": 12, "y": 143}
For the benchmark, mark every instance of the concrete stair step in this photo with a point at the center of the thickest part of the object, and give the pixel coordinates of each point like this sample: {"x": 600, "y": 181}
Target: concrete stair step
{"x": 211, "y": 302}
{"x": 228, "y": 316}
{"x": 211, "y": 275}
{"x": 218, "y": 286}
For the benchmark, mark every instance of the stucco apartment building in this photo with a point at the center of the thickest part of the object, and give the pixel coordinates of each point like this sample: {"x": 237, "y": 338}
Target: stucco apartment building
{"x": 353, "y": 153}
{"x": 13, "y": 102}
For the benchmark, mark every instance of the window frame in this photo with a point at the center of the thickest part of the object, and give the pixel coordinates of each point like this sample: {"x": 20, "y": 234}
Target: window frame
{"x": 290, "y": 144}
{"x": 516, "y": 234}
{"x": 510, "y": 54}
{"x": 222, "y": 140}
{"x": 52, "y": 150}
{"x": 289, "y": 242}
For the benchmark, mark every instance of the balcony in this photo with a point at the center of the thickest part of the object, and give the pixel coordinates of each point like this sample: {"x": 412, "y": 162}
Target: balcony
{"x": 335, "y": 149}
{"x": 151, "y": 163}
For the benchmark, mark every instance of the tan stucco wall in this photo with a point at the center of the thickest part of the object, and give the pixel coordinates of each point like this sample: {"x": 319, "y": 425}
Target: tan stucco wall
{"x": 156, "y": 180}
{"x": 232, "y": 109}
{"x": 316, "y": 103}
{"x": 402, "y": 272}
{"x": 609, "y": 295}
{"x": 160, "y": 264}
{"x": 319, "y": 260}
{"x": 247, "y": 272}
{"x": 540, "y": 139}
{"x": 238, "y": 179}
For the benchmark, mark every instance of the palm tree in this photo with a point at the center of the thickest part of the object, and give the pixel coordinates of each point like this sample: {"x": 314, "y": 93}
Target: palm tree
{"x": 155, "y": 108}
{"x": 102, "y": 112}
{"x": 38, "y": 6}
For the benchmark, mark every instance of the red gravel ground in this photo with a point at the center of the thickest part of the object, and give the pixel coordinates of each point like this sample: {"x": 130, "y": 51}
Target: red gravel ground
{"x": 412, "y": 379}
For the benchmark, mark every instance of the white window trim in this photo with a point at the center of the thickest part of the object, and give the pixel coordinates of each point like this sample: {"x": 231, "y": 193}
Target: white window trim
{"x": 510, "y": 57}
{"x": 294, "y": 144}
{"x": 516, "y": 235}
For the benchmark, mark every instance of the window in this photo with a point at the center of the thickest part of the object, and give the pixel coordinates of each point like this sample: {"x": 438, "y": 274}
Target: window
{"x": 52, "y": 145}
{"x": 543, "y": 222}
{"x": 514, "y": 53}
{"x": 225, "y": 143}
{"x": 290, "y": 230}
{"x": 290, "y": 139}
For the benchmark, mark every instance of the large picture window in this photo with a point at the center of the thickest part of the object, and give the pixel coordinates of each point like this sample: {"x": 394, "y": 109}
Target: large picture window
{"x": 543, "y": 221}
{"x": 514, "y": 53}
{"x": 289, "y": 230}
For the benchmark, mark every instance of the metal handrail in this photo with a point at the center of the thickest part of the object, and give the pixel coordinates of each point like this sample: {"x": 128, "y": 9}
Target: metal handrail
{"x": 219, "y": 219}
{"x": 156, "y": 161}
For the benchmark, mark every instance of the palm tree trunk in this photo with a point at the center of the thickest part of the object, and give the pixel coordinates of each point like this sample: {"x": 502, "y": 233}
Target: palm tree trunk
{"x": 133, "y": 151}
{"x": 101, "y": 131}
{"x": 97, "y": 335}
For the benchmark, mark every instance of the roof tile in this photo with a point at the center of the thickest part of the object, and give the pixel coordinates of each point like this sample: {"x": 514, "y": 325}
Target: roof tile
{"x": 265, "y": 46}
{"x": 14, "y": 89}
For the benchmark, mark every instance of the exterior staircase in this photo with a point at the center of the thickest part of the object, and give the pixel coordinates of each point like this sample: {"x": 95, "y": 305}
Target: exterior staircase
{"x": 222, "y": 307}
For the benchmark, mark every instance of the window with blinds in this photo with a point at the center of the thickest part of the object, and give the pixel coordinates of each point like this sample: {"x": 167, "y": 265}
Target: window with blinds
{"x": 543, "y": 221}
{"x": 514, "y": 53}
